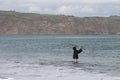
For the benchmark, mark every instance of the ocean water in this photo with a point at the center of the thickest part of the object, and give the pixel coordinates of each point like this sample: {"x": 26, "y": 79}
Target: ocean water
{"x": 34, "y": 57}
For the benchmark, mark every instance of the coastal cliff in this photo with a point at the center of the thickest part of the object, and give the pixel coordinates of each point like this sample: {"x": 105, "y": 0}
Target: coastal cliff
{"x": 12, "y": 22}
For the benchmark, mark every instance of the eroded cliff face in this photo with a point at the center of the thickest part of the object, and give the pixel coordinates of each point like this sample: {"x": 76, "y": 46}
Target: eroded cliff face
{"x": 28, "y": 23}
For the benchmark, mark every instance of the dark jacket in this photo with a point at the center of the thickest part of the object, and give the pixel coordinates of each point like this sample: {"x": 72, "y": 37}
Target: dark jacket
{"x": 76, "y": 52}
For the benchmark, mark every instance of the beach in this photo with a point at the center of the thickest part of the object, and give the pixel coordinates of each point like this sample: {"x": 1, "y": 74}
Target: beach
{"x": 31, "y": 57}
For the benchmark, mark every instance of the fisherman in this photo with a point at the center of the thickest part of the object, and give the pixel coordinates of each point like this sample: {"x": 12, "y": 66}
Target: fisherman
{"x": 75, "y": 54}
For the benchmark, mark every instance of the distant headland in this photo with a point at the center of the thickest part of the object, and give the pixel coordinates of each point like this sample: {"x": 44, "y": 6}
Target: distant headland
{"x": 12, "y": 22}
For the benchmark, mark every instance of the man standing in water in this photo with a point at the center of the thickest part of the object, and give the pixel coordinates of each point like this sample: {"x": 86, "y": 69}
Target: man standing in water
{"x": 75, "y": 54}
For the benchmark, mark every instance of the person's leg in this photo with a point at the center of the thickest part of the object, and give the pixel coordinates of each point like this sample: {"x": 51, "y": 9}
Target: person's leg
{"x": 75, "y": 61}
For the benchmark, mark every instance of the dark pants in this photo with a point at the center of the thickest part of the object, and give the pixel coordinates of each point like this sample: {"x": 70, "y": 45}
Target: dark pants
{"x": 75, "y": 56}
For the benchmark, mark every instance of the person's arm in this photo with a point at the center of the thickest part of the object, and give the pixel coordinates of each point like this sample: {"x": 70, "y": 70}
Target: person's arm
{"x": 79, "y": 51}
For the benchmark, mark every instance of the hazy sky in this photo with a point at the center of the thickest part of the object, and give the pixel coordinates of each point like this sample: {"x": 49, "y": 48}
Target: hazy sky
{"x": 79, "y": 8}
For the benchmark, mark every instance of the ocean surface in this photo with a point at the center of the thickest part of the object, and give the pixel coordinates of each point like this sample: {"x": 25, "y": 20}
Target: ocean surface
{"x": 34, "y": 57}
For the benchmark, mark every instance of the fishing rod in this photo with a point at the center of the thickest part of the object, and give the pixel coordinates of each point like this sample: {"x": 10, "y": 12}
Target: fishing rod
{"x": 77, "y": 46}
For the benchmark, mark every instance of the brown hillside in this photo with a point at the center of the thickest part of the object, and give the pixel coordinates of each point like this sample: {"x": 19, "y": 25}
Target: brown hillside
{"x": 28, "y": 23}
